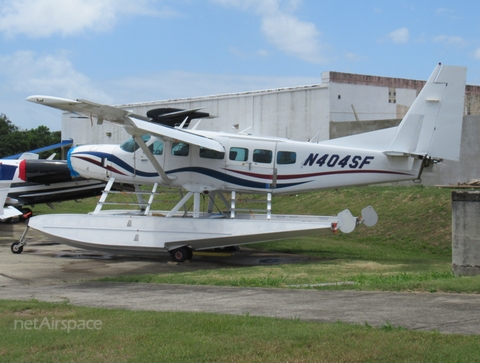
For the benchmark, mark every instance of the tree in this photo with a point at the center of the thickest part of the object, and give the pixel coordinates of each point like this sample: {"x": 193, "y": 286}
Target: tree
{"x": 6, "y": 126}
{"x": 14, "y": 141}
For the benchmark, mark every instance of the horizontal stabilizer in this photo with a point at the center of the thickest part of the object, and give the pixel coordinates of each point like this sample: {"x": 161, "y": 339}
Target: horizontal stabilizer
{"x": 346, "y": 221}
{"x": 369, "y": 216}
{"x": 9, "y": 212}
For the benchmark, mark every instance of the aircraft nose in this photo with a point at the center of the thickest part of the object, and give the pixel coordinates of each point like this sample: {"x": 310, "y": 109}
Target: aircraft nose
{"x": 73, "y": 172}
{"x": 90, "y": 161}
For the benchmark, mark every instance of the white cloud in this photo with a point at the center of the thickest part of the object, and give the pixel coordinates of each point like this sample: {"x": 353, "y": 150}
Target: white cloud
{"x": 42, "y": 18}
{"x": 262, "y": 53}
{"x": 400, "y": 35}
{"x": 282, "y": 29}
{"x": 293, "y": 36}
{"x": 26, "y": 72}
{"x": 248, "y": 54}
{"x": 476, "y": 54}
{"x": 354, "y": 57}
{"x": 450, "y": 40}
{"x": 448, "y": 13}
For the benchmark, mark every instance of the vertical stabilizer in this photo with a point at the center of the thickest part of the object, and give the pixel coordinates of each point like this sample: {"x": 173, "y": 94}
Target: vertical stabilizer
{"x": 433, "y": 125}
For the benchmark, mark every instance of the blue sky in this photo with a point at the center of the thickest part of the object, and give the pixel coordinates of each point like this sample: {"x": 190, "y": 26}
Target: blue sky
{"x": 123, "y": 51}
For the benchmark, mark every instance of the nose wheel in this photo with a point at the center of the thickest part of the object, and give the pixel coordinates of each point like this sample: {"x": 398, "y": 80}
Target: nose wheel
{"x": 16, "y": 247}
{"x": 181, "y": 254}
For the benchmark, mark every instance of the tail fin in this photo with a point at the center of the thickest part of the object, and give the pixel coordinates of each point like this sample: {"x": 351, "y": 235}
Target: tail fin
{"x": 433, "y": 124}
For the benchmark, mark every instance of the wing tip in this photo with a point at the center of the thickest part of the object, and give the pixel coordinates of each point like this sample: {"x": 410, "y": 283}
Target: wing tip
{"x": 47, "y": 100}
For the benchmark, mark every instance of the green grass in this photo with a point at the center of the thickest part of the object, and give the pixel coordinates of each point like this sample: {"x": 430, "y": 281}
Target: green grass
{"x": 408, "y": 250}
{"x": 145, "y": 336}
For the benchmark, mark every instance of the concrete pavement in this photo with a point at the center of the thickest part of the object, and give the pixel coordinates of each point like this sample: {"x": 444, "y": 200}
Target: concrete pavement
{"x": 447, "y": 313}
{"x": 51, "y": 272}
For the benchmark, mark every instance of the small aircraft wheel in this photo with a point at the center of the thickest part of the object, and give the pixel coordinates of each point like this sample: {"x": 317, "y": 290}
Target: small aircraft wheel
{"x": 181, "y": 254}
{"x": 16, "y": 248}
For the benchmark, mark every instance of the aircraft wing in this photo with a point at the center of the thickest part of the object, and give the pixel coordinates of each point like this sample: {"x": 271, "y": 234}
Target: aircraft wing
{"x": 136, "y": 125}
{"x": 101, "y": 112}
{"x": 167, "y": 133}
{"x": 33, "y": 154}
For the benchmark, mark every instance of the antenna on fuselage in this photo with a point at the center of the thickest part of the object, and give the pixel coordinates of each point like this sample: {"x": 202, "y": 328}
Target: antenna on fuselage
{"x": 194, "y": 127}
{"x": 244, "y": 132}
{"x": 314, "y": 136}
{"x": 182, "y": 124}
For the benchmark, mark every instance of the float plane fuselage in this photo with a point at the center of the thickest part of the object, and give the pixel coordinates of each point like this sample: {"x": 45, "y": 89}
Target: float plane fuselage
{"x": 212, "y": 162}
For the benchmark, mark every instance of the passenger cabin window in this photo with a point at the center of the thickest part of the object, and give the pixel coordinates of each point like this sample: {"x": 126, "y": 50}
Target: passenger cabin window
{"x": 262, "y": 156}
{"x": 180, "y": 149}
{"x": 211, "y": 154}
{"x": 286, "y": 157}
{"x": 238, "y": 154}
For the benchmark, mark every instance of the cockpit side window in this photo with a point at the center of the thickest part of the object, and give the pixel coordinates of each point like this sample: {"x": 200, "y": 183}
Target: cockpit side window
{"x": 131, "y": 146}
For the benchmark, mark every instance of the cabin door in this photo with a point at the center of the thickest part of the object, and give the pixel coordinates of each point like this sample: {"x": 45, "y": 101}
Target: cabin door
{"x": 250, "y": 164}
{"x": 143, "y": 168}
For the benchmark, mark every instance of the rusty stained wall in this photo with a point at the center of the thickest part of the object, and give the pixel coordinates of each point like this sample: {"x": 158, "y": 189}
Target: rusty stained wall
{"x": 378, "y": 81}
{"x": 472, "y": 100}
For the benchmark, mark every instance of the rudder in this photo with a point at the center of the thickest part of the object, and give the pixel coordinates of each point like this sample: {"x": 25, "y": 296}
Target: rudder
{"x": 433, "y": 124}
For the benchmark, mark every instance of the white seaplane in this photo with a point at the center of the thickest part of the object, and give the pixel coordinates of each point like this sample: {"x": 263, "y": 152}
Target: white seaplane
{"x": 212, "y": 163}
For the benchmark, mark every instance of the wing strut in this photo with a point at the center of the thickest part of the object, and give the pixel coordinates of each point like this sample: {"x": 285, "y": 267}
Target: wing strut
{"x": 151, "y": 158}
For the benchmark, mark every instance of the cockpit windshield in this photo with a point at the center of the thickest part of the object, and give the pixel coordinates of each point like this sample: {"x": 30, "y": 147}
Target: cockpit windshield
{"x": 131, "y": 146}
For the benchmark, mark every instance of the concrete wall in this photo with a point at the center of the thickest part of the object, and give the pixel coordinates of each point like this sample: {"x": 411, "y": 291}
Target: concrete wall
{"x": 369, "y": 97}
{"x": 468, "y": 168}
{"x": 366, "y": 103}
{"x": 466, "y": 233}
{"x": 341, "y": 129}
